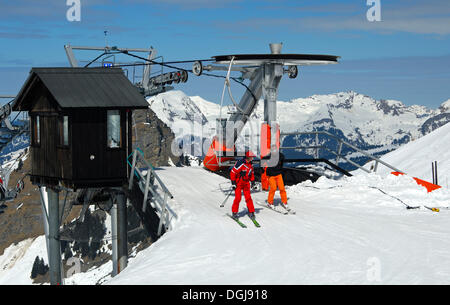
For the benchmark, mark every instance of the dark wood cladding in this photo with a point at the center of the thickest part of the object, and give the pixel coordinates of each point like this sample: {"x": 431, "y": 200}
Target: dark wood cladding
{"x": 87, "y": 161}
{"x": 107, "y": 163}
{"x": 47, "y": 161}
{"x": 78, "y": 99}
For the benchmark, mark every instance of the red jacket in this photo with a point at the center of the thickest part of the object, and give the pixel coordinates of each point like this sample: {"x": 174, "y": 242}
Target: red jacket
{"x": 242, "y": 172}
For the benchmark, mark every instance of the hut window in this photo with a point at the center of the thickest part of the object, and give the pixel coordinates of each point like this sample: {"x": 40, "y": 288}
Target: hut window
{"x": 114, "y": 130}
{"x": 36, "y": 131}
{"x": 64, "y": 130}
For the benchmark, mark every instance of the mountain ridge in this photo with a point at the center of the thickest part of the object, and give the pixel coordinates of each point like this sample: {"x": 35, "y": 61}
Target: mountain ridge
{"x": 356, "y": 118}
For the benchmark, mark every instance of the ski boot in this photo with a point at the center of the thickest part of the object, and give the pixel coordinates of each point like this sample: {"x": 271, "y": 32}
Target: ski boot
{"x": 288, "y": 208}
{"x": 271, "y": 206}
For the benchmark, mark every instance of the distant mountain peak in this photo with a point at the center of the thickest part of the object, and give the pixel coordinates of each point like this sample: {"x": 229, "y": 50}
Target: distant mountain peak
{"x": 445, "y": 106}
{"x": 356, "y": 117}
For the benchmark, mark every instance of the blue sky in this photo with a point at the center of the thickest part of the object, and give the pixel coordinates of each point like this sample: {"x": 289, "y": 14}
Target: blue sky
{"x": 406, "y": 56}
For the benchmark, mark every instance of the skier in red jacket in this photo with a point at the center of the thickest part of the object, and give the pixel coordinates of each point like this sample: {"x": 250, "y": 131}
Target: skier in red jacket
{"x": 241, "y": 176}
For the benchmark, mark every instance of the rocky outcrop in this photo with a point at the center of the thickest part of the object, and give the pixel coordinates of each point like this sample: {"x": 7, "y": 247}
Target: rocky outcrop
{"x": 154, "y": 138}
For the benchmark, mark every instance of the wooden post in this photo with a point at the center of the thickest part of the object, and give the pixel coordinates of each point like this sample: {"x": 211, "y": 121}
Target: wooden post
{"x": 436, "y": 173}
{"x": 433, "y": 176}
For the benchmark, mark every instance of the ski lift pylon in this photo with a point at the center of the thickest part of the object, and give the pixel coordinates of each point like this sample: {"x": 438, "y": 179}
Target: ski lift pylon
{"x": 264, "y": 72}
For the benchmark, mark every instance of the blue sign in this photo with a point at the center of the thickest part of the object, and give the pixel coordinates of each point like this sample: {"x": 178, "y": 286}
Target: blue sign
{"x": 107, "y": 65}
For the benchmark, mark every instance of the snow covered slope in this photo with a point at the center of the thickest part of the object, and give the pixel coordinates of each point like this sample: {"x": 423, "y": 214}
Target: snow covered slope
{"x": 341, "y": 232}
{"x": 17, "y": 261}
{"x": 350, "y": 231}
{"x": 415, "y": 157}
{"x": 344, "y": 232}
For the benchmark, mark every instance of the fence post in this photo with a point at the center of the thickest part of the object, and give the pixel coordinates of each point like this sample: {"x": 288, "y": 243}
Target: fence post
{"x": 162, "y": 216}
{"x": 432, "y": 173}
{"x": 339, "y": 152}
{"x": 133, "y": 166}
{"x": 436, "y": 172}
{"x": 317, "y": 144}
{"x": 376, "y": 167}
{"x": 146, "y": 190}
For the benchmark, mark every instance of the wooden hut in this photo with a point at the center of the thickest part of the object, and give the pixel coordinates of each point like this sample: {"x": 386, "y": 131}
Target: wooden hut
{"x": 80, "y": 128}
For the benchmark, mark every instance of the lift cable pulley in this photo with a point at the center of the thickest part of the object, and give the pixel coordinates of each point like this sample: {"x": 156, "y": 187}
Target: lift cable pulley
{"x": 191, "y": 71}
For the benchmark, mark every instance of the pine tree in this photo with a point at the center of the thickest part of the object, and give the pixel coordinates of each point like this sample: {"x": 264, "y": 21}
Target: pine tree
{"x": 34, "y": 270}
{"x": 39, "y": 267}
{"x": 44, "y": 268}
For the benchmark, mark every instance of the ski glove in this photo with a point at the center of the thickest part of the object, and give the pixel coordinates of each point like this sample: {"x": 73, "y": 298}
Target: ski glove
{"x": 233, "y": 185}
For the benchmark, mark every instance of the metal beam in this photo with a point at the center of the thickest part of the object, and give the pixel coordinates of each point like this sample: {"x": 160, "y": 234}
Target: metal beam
{"x": 44, "y": 206}
{"x": 54, "y": 241}
{"x": 87, "y": 48}
{"x": 119, "y": 233}
{"x": 148, "y": 70}
{"x": 74, "y": 63}
{"x": 341, "y": 142}
{"x": 247, "y": 103}
{"x": 271, "y": 81}
{"x": 72, "y": 60}
{"x": 247, "y": 72}
{"x": 303, "y": 147}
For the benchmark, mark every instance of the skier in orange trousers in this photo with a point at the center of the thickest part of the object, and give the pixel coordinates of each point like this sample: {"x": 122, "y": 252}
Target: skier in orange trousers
{"x": 276, "y": 182}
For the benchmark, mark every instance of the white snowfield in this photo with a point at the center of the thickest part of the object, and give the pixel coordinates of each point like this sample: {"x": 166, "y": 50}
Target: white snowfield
{"x": 355, "y": 230}
{"x": 344, "y": 232}
{"x": 17, "y": 261}
{"x": 415, "y": 157}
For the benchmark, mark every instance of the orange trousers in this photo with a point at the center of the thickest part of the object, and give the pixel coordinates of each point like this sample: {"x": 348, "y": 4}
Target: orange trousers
{"x": 264, "y": 180}
{"x": 274, "y": 183}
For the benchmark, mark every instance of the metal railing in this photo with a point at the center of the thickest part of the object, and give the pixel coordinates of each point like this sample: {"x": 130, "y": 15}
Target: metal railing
{"x": 339, "y": 156}
{"x": 150, "y": 183}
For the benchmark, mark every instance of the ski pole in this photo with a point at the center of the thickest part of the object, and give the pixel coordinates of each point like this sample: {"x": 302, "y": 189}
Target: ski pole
{"x": 228, "y": 196}
{"x": 408, "y": 207}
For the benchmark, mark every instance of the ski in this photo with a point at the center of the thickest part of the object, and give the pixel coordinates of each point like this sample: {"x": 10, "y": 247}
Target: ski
{"x": 255, "y": 222}
{"x": 273, "y": 208}
{"x": 290, "y": 210}
{"x": 237, "y": 221}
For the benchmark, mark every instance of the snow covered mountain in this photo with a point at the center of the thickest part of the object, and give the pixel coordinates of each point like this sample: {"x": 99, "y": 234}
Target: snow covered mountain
{"x": 377, "y": 125}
